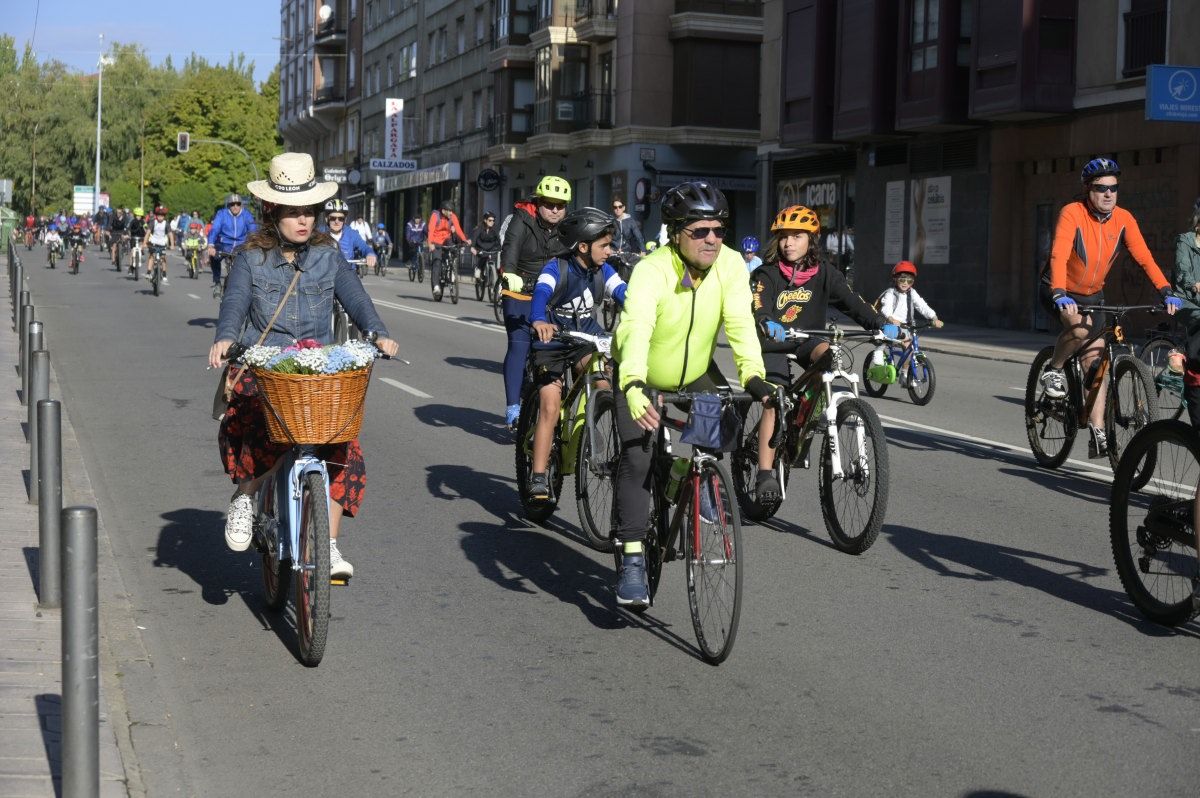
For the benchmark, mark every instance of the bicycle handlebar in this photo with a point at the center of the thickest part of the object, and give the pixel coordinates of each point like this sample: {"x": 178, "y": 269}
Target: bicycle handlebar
{"x": 836, "y": 334}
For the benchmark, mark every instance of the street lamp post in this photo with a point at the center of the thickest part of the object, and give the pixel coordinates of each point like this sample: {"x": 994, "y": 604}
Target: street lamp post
{"x": 33, "y": 175}
{"x": 99, "y": 106}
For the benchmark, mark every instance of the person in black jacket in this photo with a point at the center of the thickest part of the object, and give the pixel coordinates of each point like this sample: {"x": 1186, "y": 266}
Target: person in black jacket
{"x": 529, "y": 242}
{"x": 486, "y": 240}
{"x": 792, "y": 289}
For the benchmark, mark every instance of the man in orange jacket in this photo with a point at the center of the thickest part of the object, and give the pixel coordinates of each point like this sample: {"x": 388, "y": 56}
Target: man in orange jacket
{"x": 443, "y": 227}
{"x": 1091, "y": 233}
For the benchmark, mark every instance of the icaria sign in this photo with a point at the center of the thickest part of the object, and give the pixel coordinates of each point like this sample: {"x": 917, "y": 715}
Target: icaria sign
{"x": 393, "y": 128}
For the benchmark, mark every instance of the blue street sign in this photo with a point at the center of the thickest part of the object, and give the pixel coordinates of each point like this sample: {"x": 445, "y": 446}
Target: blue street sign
{"x": 1173, "y": 93}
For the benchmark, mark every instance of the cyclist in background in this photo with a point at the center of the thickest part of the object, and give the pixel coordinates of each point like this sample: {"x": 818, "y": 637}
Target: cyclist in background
{"x": 119, "y": 227}
{"x": 193, "y": 240}
{"x": 531, "y": 241}
{"x": 348, "y": 240}
{"x": 382, "y": 243}
{"x": 1090, "y": 234}
{"x": 628, "y": 239}
{"x": 487, "y": 242}
{"x": 678, "y": 299}
{"x": 443, "y": 228}
{"x": 76, "y": 238}
{"x": 565, "y": 297}
{"x": 159, "y": 238}
{"x": 414, "y": 234}
{"x": 137, "y": 230}
{"x": 229, "y": 230}
{"x": 54, "y": 243}
{"x": 750, "y": 253}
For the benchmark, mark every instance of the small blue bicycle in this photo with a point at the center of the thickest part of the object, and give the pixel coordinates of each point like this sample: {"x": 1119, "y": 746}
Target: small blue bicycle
{"x": 905, "y": 365}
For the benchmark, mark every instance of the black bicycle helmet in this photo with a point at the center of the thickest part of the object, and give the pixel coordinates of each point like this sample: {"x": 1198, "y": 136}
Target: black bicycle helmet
{"x": 693, "y": 201}
{"x": 1099, "y": 167}
{"x": 585, "y": 226}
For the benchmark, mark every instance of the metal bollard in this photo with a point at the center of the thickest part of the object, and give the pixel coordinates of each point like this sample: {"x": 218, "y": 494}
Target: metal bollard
{"x": 80, "y": 666}
{"x": 33, "y": 342}
{"x": 39, "y": 389}
{"x": 27, "y": 316}
{"x": 49, "y": 446}
{"x": 17, "y": 292}
{"x": 22, "y": 301}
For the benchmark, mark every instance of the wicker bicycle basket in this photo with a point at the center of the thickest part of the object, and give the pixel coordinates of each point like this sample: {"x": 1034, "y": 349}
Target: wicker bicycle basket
{"x": 313, "y": 408}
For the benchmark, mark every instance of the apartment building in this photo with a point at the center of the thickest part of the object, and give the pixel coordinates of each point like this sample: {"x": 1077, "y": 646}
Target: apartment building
{"x": 320, "y": 86}
{"x": 950, "y": 132}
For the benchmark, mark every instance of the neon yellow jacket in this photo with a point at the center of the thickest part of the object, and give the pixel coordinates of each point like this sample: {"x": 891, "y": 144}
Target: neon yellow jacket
{"x": 668, "y": 329}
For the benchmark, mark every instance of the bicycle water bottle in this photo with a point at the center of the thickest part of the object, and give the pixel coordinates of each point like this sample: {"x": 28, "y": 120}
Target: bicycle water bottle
{"x": 805, "y": 407}
{"x": 679, "y": 470}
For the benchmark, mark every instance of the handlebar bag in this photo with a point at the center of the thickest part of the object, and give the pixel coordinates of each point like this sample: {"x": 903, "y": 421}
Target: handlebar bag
{"x": 712, "y": 424}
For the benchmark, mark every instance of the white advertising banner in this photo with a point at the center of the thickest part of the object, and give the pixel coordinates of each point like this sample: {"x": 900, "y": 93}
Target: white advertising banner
{"x": 929, "y": 221}
{"x": 393, "y": 128}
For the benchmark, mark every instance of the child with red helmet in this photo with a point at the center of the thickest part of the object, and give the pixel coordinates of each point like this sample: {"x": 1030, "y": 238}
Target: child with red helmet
{"x": 900, "y": 302}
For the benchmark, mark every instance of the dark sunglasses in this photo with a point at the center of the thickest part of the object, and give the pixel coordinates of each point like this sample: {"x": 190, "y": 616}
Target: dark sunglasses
{"x": 235, "y": 205}
{"x": 337, "y": 218}
{"x": 618, "y": 205}
{"x": 701, "y": 233}
{"x": 1099, "y": 189}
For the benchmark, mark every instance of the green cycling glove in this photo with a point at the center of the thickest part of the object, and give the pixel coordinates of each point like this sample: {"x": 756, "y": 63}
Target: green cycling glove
{"x": 635, "y": 397}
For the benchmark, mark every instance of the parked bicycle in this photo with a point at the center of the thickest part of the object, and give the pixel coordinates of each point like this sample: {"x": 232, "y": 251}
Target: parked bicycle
{"x": 904, "y": 364}
{"x": 1130, "y": 399}
{"x": 853, "y": 474}
{"x": 1154, "y": 514}
{"x": 446, "y": 276}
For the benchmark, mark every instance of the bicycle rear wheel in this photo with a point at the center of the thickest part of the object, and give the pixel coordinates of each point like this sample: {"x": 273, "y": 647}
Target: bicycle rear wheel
{"x": 1050, "y": 424}
{"x": 312, "y": 577}
{"x": 480, "y": 287}
{"x": 452, "y": 285}
{"x": 596, "y": 471}
{"x": 526, "y": 424}
{"x": 1153, "y": 527}
{"x": 498, "y": 305}
{"x": 745, "y": 467}
{"x": 872, "y": 388}
{"x": 1168, "y": 386}
{"x": 712, "y": 551}
{"x": 275, "y": 571}
{"x": 854, "y": 505}
{"x": 1132, "y": 405}
{"x": 155, "y": 275}
{"x": 922, "y": 380}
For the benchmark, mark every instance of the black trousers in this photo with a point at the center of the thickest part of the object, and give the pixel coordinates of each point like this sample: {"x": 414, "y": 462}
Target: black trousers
{"x": 637, "y": 452}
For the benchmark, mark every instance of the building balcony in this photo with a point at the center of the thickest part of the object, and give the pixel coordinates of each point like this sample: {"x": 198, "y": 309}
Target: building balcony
{"x": 740, "y": 8}
{"x": 329, "y": 100}
{"x": 330, "y": 35}
{"x": 596, "y": 20}
{"x": 510, "y": 128}
{"x": 569, "y": 114}
{"x": 1145, "y": 40}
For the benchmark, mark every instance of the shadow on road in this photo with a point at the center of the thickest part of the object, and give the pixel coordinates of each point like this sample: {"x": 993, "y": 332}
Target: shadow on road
{"x": 202, "y": 321}
{"x": 478, "y": 363}
{"x": 49, "y": 712}
{"x": 33, "y": 563}
{"x": 493, "y": 493}
{"x": 489, "y": 426}
{"x": 1012, "y": 400}
{"x": 980, "y": 561}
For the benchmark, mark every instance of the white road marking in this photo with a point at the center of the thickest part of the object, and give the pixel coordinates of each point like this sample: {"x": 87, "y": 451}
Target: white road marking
{"x": 193, "y": 296}
{"x": 490, "y": 326}
{"x": 1018, "y": 388}
{"x": 403, "y": 387}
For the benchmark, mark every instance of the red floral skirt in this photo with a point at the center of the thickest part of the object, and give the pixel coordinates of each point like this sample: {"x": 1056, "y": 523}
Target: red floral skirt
{"x": 247, "y": 452}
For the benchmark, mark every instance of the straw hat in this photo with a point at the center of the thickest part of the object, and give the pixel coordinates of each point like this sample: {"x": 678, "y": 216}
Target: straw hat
{"x": 292, "y": 180}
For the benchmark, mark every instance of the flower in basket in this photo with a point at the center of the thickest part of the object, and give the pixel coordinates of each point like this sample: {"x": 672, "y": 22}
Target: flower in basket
{"x": 310, "y": 357}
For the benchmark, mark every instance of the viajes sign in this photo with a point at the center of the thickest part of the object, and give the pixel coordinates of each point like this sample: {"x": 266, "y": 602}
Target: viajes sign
{"x": 1173, "y": 93}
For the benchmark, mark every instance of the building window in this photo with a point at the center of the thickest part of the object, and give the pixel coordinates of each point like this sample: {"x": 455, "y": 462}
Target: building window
{"x": 412, "y": 70}
{"x": 459, "y": 124}
{"x": 541, "y": 71}
{"x": 432, "y": 47}
{"x": 923, "y": 35}
{"x": 443, "y": 39}
{"x": 477, "y": 108}
{"x": 391, "y": 74}
{"x": 501, "y": 19}
{"x": 1145, "y": 35}
{"x": 352, "y": 134}
{"x": 480, "y": 25}
{"x": 352, "y": 70}
{"x": 460, "y": 34}
{"x": 391, "y": 8}
{"x": 545, "y": 11}
{"x": 353, "y": 9}
{"x": 430, "y": 121}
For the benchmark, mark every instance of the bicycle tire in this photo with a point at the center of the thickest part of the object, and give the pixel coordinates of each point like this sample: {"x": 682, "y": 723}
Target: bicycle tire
{"x": 312, "y": 578}
{"x": 155, "y": 276}
{"x": 523, "y": 459}
{"x": 498, "y": 307}
{"x": 921, "y": 373}
{"x": 1170, "y": 399}
{"x": 421, "y": 271}
{"x": 870, "y": 387}
{"x": 453, "y": 289}
{"x": 608, "y": 314}
{"x": 1155, "y": 554}
{"x": 341, "y": 327}
{"x": 745, "y": 467}
{"x": 480, "y": 288}
{"x": 712, "y": 552}
{"x": 1128, "y": 411}
{"x": 412, "y": 274}
{"x": 854, "y": 528}
{"x": 276, "y": 572}
{"x": 1045, "y": 415}
{"x": 596, "y": 513}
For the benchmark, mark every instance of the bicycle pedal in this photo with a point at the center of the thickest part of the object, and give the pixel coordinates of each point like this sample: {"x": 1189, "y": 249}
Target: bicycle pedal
{"x": 339, "y": 581}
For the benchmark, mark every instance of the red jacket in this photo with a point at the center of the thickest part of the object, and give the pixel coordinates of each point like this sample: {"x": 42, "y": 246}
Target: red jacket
{"x": 441, "y": 226}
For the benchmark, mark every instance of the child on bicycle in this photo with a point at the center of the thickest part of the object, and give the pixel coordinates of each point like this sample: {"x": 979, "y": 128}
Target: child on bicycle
{"x": 792, "y": 290}
{"x": 565, "y": 296}
{"x": 54, "y": 243}
{"x": 900, "y": 302}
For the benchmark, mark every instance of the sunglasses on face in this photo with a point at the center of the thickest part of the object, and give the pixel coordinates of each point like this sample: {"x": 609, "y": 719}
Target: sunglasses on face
{"x": 701, "y": 233}
{"x": 235, "y": 205}
{"x": 617, "y": 206}
{"x": 904, "y": 279}
{"x": 337, "y": 218}
{"x": 1099, "y": 189}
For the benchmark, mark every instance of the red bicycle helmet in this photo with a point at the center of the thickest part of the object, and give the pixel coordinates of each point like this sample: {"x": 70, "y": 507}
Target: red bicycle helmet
{"x": 904, "y": 267}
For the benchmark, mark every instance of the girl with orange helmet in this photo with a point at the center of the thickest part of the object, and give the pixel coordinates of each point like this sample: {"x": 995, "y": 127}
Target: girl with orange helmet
{"x": 792, "y": 289}
{"x": 901, "y": 303}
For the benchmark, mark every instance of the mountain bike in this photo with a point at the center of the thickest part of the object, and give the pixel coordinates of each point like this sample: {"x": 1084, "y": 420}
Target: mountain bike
{"x": 122, "y": 252}
{"x": 486, "y": 275}
{"x": 446, "y": 278}
{"x": 291, "y": 534}
{"x": 76, "y": 257}
{"x": 1131, "y": 401}
{"x": 158, "y": 267}
{"x": 416, "y": 266}
{"x": 193, "y": 262}
{"x": 1154, "y": 513}
{"x": 383, "y": 255}
{"x": 853, "y": 473}
{"x": 704, "y": 530}
{"x": 906, "y": 365}
{"x": 623, "y": 262}
{"x": 585, "y": 440}
{"x": 53, "y": 253}
{"x": 495, "y": 291}
{"x": 1168, "y": 385}
{"x": 219, "y": 259}
{"x": 135, "y": 259}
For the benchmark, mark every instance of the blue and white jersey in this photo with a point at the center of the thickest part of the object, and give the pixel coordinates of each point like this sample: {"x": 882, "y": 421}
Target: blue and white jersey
{"x": 565, "y": 288}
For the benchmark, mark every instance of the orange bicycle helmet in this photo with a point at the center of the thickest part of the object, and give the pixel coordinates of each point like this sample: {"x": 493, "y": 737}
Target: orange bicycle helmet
{"x": 904, "y": 267}
{"x": 797, "y": 217}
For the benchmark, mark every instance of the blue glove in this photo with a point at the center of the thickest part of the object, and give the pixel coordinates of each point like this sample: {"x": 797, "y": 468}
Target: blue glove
{"x": 775, "y": 331}
{"x": 890, "y": 330}
{"x": 1063, "y": 301}
{"x": 1173, "y": 302}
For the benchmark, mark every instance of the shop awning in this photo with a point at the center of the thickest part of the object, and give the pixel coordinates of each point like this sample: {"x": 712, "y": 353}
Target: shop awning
{"x": 421, "y": 177}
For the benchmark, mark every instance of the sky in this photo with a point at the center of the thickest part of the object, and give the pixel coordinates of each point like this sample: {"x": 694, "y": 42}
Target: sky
{"x": 68, "y": 30}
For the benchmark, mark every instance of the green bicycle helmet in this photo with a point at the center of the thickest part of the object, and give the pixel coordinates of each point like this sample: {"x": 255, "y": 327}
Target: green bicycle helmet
{"x": 553, "y": 187}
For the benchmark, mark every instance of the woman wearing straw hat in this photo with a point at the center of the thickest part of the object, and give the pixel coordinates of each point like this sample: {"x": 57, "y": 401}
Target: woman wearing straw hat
{"x": 263, "y": 268}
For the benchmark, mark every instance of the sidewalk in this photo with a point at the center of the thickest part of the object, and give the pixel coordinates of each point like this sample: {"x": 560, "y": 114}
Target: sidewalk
{"x": 986, "y": 343}
{"x": 30, "y": 639}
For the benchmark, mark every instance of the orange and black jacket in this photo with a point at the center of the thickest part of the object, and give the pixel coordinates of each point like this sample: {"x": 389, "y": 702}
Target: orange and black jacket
{"x": 1086, "y": 247}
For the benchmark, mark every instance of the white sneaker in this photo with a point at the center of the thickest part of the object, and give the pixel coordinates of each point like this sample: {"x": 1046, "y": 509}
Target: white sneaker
{"x": 1055, "y": 383}
{"x": 239, "y": 522}
{"x": 165, "y": 281}
{"x": 339, "y": 568}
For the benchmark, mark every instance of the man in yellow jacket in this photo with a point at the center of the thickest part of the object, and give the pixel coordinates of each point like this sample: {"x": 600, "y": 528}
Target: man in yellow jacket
{"x": 677, "y": 300}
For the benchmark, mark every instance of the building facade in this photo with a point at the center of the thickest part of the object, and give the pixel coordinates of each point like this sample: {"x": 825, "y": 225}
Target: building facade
{"x": 950, "y": 132}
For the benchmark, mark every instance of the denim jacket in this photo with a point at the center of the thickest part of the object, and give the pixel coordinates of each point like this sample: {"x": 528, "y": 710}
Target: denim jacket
{"x": 258, "y": 281}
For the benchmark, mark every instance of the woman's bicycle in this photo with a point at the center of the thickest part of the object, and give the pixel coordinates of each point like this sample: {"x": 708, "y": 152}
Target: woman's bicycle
{"x": 853, "y": 479}
{"x": 1130, "y": 398}
{"x": 704, "y": 530}
{"x": 1168, "y": 384}
{"x": 486, "y": 276}
{"x": 1154, "y": 512}
{"x": 904, "y": 364}
{"x": 585, "y": 440}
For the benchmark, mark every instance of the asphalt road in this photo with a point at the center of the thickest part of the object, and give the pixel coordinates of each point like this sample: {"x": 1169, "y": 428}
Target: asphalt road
{"x": 983, "y": 646}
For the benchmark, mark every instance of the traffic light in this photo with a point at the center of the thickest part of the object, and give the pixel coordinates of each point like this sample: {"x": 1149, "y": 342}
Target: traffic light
{"x": 182, "y": 141}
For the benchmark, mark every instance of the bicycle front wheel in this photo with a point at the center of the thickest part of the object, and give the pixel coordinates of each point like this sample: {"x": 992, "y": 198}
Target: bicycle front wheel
{"x": 712, "y": 550}
{"x": 1132, "y": 405}
{"x": 1050, "y": 424}
{"x": 921, "y": 379}
{"x": 275, "y": 570}
{"x": 480, "y": 288}
{"x": 855, "y": 503}
{"x": 1168, "y": 386}
{"x": 312, "y": 577}
{"x": 596, "y": 472}
{"x": 1153, "y": 526}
